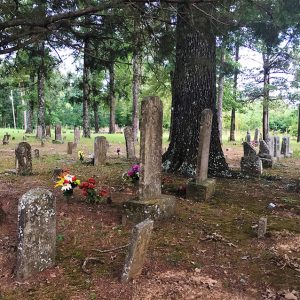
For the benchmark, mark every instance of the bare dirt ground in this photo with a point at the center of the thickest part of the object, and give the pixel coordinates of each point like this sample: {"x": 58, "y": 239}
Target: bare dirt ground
{"x": 205, "y": 251}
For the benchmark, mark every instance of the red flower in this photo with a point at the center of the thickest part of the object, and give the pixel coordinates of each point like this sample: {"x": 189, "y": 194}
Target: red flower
{"x": 103, "y": 193}
{"x": 92, "y": 181}
{"x": 74, "y": 178}
{"x": 84, "y": 185}
{"x": 66, "y": 181}
{"x": 84, "y": 193}
{"x": 91, "y": 186}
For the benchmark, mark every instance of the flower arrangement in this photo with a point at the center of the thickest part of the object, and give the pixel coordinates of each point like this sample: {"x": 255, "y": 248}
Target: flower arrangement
{"x": 68, "y": 183}
{"x": 90, "y": 192}
{"x": 133, "y": 174}
{"x": 81, "y": 155}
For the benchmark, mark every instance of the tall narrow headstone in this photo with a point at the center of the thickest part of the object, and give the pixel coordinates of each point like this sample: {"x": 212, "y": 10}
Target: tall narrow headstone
{"x": 285, "y": 147}
{"x": 129, "y": 140}
{"x": 39, "y": 132}
{"x": 248, "y": 137}
{"x": 58, "y": 136}
{"x": 76, "y": 135}
{"x": 70, "y": 147}
{"x": 48, "y": 131}
{"x": 100, "y": 150}
{"x": 276, "y": 147}
{"x": 137, "y": 251}
{"x": 23, "y": 159}
{"x": 289, "y": 150}
{"x": 202, "y": 188}
{"x": 256, "y": 136}
{"x": 151, "y": 203}
{"x": 36, "y": 232}
{"x": 270, "y": 143}
{"x": 36, "y": 153}
{"x": 262, "y": 228}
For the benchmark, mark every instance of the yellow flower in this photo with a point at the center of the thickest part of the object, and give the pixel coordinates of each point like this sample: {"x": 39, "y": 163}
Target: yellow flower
{"x": 60, "y": 182}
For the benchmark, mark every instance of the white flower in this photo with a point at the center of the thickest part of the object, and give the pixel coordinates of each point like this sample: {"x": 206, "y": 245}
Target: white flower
{"x": 66, "y": 187}
{"x": 69, "y": 177}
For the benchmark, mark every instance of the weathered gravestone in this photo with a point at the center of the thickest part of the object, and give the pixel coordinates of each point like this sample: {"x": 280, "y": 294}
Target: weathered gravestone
{"x": 6, "y": 138}
{"x": 250, "y": 163}
{"x": 151, "y": 203}
{"x": 56, "y": 172}
{"x": 36, "y": 153}
{"x": 248, "y": 137}
{"x": 58, "y": 136}
{"x": 264, "y": 154}
{"x": 289, "y": 150}
{"x": 129, "y": 139}
{"x": 262, "y": 228}
{"x": 23, "y": 159}
{"x": 277, "y": 147}
{"x": 76, "y": 135}
{"x": 70, "y": 147}
{"x": 39, "y": 132}
{"x": 137, "y": 251}
{"x": 36, "y": 232}
{"x": 285, "y": 147}
{"x": 203, "y": 188}
{"x": 100, "y": 150}
{"x": 256, "y": 136}
{"x": 48, "y": 131}
{"x": 270, "y": 143}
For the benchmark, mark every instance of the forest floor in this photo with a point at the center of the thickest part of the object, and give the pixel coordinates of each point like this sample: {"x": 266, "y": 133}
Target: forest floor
{"x": 207, "y": 250}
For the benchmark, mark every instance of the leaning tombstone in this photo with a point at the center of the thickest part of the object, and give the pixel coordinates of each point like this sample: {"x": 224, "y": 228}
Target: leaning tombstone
{"x": 36, "y": 232}
{"x": 100, "y": 150}
{"x": 23, "y": 159}
{"x": 150, "y": 202}
{"x": 264, "y": 154}
{"x": 48, "y": 131}
{"x": 262, "y": 228}
{"x": 58, "y": 136}
{"x": 250, "y": 163}
{"x": 137, "y": 251}
{"x": 202, "y": 188}
{"x": 70, "y": 147}
{"x": 39, "y": 132}
{"x": 129, "y": 140}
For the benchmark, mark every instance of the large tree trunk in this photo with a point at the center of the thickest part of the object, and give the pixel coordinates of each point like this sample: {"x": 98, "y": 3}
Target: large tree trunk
{"x": 86, "y": 92}
{"x": 194, "y": 90}
{"x": 112, "y": 98}
{"x": 136, "y": 70}
{"x": 235, "y": 81}
{"x": 298, "y": 135}
{"x": 172, "y": 103}
{"x": 30, "y": 108}
{"x": 41, "y": 90}
{"x": 221, "y": 89}
{"x": 96, "y": 116}
{"x": 266, "y": 96}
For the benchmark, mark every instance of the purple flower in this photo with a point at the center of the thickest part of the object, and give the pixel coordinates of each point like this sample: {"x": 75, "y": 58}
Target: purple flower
{"x": 130, "y": 173}
{"x": 135, "y": 168}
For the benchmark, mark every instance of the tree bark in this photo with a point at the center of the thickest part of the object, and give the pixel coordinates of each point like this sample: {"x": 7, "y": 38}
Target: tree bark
{"x": 136, "y": 70}
{"x": 266, "y": 96}
{"x": 96, "y": 116}
{"x": 194, "y": 90}
{"x": 41, "y": 90}
{"x": 221, "y": 89}
{"x": 235, "y": 81}
{"x": 86, "y": 92}
{"x": 30, "y": 109}
{"x": 172, "y": 103}
{"x": 112, "y": 99}
{"x": 298, "y": 135}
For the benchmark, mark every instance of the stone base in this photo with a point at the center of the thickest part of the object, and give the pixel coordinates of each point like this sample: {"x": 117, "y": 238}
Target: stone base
{"x": 251, "y": 166}
{"x": 201, "y": 191}
{"x": 57, "y": 142}
{"x": 267, "y": 163}
{"x": 139, "y": 210}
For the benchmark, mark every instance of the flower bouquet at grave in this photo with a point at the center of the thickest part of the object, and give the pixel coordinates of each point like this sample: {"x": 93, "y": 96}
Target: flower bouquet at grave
{"x": 68, "y": 183}
{"x": 91, "y": 193}
{"x": 133, "y": 174}
{"x": 81, "y": 156}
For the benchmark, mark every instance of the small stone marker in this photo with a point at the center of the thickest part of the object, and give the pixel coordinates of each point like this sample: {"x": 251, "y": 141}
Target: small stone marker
{"x": 23, "y": 159}
{"x": 70, "y": 147}
{"x": 203, "y": 188}
{"x": 76, "y": 135}
{"x": 100, "y": 150}
{"x": 48, "y": 131}
{"x": 36, "y": 232}
{"x": 262, "y": 228}
{"x": 151, "y": 203}
{"x": 248, "y": 137}
{"x": 137, "y": 251}
{"x": 36, "y": 153}
{"x": 39, "y": 132}
{"x": 265, "y": 154}
{"x": 251, "y": 164}
{"x": 129, "y": 139}
{"x": 56, "y": 172}
{"x": 58, "y": 136}
{"x": 6, "y": 138}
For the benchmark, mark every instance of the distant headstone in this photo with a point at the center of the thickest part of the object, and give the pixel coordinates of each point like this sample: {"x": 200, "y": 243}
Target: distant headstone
{"x": 6, "y": 138}
{"x": 270, "y": 143}
{"x": 248, "y": 137}
{"x": 70, "y": 147}
{"x": 285, "y": 147}
{"x": 48, "y": 131}
{"x": 203, "y": 188}
{"x": 36, "y": 153}
{"x": 129, "y": 139}
{"x": 289, "y": 150}
{"x": 262, "y": 228}
{"x": 36, "y": 232}
{"x": 23, "y": 159}
{"x": 276, "y": 147}
{"x": 137, "y": 251}
{"x": 100, "y": 150}
{"x": 256, "y": 136}
{"x": 76, "y": 135}
{"x": 58, "y": 136}
{"x": 264, "y": 154}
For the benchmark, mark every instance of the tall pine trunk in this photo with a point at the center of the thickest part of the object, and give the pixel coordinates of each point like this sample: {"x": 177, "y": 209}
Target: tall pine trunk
{"x": 235, "y": 81}
{"x": 298, "y": 135}
{"x": 266, "y": 96}
{"x": 41, "y": 90}
{"x": 112, "y": 98}
{"x": 86, "y": 92}
{"x": 30, "y": 108}
{"x": 194, "y": 90}
{"x": 96, "y": 116}
{"x": 136, "y": 78}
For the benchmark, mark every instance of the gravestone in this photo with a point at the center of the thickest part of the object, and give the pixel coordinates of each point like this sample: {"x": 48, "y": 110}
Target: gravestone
{"x": 58, "y": 136}
{"x": 129, "y": 139}
{"x": 203, "y": 188}
{"x": 137, "y": 251}
{"x": 6, "y": 138}
{"x": 285, "y": 147}
{"x": 48, "y": 131}
{"x": 248, "y": 137}
{"x": 264, "y": 154}
{"x": 56, "y": 172}
{"x": 39, "y": 132}
{"x": 76, "y": 135}
{"x": 23, "y": 159}
{"x": 150, "y": 203}
{"x": 250, "y": 163}
{"x": 289, "y": 150}
{"x": 276, "y": 147}
{"x": 100, "y": 150}
{"x": 270, "y": 143}
{"x": 256, "y": 137}
{"x": 36, "y": 232}
{"x": 262, "y": 228}
{"x": 70, "y": 147}
{"x": 36, "y": 153}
